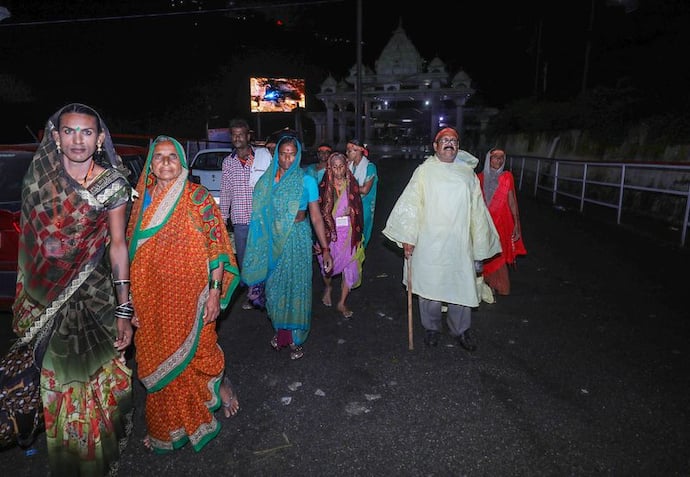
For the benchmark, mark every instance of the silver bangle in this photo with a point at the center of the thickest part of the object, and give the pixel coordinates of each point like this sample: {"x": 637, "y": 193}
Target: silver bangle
{"x": 124, "y": 311}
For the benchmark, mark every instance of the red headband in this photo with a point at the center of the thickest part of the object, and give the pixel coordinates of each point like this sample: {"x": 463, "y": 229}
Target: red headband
{"x": 446, "y": 132}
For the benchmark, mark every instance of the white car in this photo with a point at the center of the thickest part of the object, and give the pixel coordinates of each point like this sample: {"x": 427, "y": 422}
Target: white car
{"x": 207, "y": 168}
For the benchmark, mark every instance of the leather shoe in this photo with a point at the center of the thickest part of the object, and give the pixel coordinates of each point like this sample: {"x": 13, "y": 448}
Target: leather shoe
{"x": 466, "y": 341}
{"x": 431, "y": 338}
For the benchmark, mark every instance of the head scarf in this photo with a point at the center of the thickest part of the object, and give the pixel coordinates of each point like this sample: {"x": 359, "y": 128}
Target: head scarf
{"x": 359, "y": 170}
{"x": 491, "y": 175}
{"x": 55, "y": 209}
{"x": 274, "y": 207}
{"x": 139, "y": 233}
{"x": 107, "y": 158}
{"x": 447, "y": 132}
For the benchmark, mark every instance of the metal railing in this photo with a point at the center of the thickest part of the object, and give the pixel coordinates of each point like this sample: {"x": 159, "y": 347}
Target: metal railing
{"x": 654, "y": 190}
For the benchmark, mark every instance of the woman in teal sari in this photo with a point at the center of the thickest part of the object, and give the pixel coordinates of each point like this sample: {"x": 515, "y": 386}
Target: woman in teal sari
{"x": 367, "y": 177}
{"x": 279, "y": 245}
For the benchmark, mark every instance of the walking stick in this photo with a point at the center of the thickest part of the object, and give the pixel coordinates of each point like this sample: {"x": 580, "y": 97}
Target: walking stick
{"x": 410, "y": 340}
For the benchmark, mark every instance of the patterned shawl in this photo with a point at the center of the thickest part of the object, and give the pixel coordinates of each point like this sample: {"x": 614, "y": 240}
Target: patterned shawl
{"x": 274, "y": 208}
{"x": 327, "y": 195}
{"x": 175, "y": 241}
{"x": 137, "y": 233}
{"x": 144, "y": 223}
{"x": 64, "y": 231}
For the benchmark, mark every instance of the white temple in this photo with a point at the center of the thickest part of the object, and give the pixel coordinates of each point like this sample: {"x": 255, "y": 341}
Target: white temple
{"x": 405, "y": 101}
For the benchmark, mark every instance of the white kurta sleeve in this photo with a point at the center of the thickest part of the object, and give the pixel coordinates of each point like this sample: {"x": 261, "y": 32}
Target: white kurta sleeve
{"x": 403, "y": 222}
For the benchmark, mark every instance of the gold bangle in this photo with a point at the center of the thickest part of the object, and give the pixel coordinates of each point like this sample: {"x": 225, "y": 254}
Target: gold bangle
{"x": 215, "y": 284}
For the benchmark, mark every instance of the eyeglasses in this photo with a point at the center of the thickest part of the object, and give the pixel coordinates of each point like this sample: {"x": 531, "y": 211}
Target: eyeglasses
{"x": 448, "y": 140}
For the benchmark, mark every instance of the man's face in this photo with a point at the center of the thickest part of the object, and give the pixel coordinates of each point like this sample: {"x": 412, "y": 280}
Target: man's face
{"x": 446, "y": 147}
{"x": 240, "y": 137}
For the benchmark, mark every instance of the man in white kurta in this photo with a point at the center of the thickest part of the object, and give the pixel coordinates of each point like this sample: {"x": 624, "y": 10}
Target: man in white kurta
{"x": 442, "y": 223}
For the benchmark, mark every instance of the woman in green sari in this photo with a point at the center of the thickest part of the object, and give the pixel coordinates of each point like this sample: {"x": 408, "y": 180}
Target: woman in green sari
{"x": 279, "y": 245}
{"x": 72, "y": 302}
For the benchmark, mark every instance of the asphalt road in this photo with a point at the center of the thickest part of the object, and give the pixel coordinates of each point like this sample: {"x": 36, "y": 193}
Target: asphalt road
{"x": 583, "y": 370}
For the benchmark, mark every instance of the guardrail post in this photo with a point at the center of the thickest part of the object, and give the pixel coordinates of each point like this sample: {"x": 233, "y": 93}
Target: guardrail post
{"x": 685, "y": 219}
{"x": 555, "y": 184}
{"x": 620, "y": 195}
{"x": 584, "y": 188}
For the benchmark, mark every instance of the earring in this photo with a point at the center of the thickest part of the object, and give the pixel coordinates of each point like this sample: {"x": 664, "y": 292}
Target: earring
{"x": 57, "y": 143}
{"x": 98, "y": 148}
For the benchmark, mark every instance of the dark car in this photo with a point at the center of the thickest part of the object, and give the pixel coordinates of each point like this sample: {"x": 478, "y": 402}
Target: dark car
{"x": 14, "y": 161}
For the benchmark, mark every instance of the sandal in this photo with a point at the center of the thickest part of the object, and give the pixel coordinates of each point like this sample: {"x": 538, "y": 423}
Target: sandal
{"x": 232, "y": 404}
{"x": 274, "y": 343}
{"x": 346, "y": 312}
{"x": 297, "y": 352}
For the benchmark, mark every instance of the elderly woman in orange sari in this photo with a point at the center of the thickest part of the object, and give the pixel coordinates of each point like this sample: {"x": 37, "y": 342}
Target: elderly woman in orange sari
{"x": 183, "y": 273}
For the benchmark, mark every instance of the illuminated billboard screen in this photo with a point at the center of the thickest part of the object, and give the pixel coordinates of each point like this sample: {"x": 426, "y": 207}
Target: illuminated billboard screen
{"x": 276, "y": 95}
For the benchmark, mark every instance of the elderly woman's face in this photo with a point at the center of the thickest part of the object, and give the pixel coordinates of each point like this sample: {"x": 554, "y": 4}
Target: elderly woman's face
{"x": 339, "y": 166}
{"x": 497, "y": 159}
{"x": 165, "y": 162}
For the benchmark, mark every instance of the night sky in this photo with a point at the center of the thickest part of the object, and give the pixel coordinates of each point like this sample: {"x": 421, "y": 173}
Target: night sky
{"x": 141, "y": 58}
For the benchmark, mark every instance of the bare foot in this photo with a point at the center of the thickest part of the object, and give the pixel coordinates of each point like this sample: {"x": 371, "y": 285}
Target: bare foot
{"x": 347, "y": 313}
{"x": 326, "y": 299}
{"x": 230, "y": 402}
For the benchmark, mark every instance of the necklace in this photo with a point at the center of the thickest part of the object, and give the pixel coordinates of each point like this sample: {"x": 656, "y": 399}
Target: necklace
{"x": 83, "y": 182}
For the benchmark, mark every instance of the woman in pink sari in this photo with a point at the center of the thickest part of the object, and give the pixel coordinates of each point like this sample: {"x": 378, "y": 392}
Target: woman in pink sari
{"x": 498, "y": 187}
{"x": 341, "y": 207}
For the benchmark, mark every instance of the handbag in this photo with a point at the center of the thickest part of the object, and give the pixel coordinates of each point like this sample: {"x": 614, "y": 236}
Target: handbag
{"x": 21, "y": 408}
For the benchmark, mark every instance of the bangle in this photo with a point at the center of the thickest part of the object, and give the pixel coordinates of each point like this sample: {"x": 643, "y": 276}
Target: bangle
{"x": 325, "y": 249}
{"x": 121, "y": 282}
{"x": 124, "y": 311}
{"x": 215, "y": 284}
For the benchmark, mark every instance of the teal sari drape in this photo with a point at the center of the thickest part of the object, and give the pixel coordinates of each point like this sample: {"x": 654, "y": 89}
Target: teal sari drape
{"x": 279, "y": 250}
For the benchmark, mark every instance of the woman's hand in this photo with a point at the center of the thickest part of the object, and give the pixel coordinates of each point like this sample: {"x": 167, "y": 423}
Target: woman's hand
{"x": 327, "y": 261}
{"x": 212, "y": 308}
{"x": 516, "y": 233}
{"x": 125, "y": 332}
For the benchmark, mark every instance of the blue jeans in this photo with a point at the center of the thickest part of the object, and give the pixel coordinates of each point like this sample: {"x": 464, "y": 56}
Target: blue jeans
{"x": 241, "y": 231}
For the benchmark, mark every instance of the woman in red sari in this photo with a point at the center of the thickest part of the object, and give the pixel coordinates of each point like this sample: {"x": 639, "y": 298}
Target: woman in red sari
{"x": 498, "y": 187}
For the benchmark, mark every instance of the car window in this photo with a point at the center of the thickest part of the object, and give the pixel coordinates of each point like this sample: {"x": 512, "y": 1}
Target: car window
{"x": 13, "y": 166}
{"x": 209, "y": 161}
{"x": 135, "y": 164}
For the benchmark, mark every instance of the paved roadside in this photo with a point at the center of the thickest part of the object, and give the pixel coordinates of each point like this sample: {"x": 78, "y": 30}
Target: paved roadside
{"x": 583, "y": 370}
